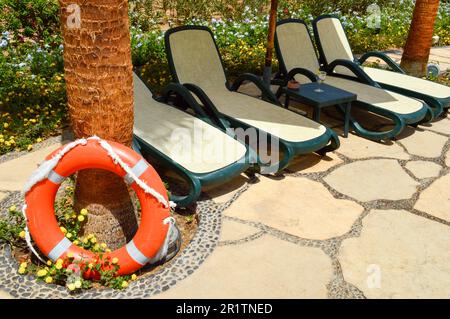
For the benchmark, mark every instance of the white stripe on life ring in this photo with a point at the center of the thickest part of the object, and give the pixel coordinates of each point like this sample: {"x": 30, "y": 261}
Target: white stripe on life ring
{"x": 136, "y": 254}
{"x": 137, "y": 170}
{"x": 59, "y": 249}
{"x": 55, "y": 177}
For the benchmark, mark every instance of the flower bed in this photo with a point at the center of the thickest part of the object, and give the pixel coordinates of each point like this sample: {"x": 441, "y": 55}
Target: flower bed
{"x": 77, "y": 275}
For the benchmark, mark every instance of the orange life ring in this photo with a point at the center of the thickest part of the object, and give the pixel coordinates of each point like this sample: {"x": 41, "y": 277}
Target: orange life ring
{"x": 152, "y": 230}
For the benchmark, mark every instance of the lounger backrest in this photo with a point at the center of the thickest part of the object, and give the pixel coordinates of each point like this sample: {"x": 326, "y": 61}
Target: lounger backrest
{"x": 294, "y": 46}
{"x": 194, "y": 58}
{"x": 331, "y": 39}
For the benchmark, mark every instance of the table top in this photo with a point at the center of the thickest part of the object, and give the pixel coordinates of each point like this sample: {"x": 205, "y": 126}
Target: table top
{"x": 330, "y": 95}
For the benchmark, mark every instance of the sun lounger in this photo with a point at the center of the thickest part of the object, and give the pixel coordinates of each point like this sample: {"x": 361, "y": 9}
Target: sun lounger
{"x": 333, "y": 45}
{"x": 196, "y": 63}
{"x": 298, "y": 60}
{"x": 197, "y": 151}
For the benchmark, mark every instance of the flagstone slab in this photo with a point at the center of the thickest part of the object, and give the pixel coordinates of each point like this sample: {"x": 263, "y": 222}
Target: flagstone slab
{"x": 356, "y": 147}
{"x": 423, "y": 143}
{"x": 313, "y": 163}
{"x": 14, "y": 173}
{"x": 370, "y": 180}
{"x": 263, "y": 268}
{"x": 5, "y": 295}
{"x": 2, "y": 195}
{"x": 423, "y": 169}
{"x": 435, "y": 200}
{"x": 223, "y": 193}
{"x": 232, "y": 230}
{"x": 398, "y": 255}
{"x": 297, "y": 206}
{"x": 440, "y": 126}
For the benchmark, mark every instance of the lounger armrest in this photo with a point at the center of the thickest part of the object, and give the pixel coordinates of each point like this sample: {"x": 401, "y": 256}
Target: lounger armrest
{"x": 267, "y": 94}
{"x": 362, "y": 76}
{"x": 186, "y": 95}
{"x": 292, "y": 73}
{"x": 209, "y": 107}
{"x": 376, "y": 54}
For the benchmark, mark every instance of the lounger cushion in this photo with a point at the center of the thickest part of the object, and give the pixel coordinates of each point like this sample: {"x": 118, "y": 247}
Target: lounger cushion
{"x": 408, "y": 82}
{"x": 298, "y": 51}
{"x": 195, "y": 58}
{"x": 275, "y": 120}
{"x": 187, "y": 140}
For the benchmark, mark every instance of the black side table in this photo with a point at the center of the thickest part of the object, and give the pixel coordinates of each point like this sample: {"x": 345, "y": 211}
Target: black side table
{"x": 329, "y": 97}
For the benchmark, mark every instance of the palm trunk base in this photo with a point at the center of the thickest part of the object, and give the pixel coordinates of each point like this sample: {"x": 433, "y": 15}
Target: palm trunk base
{"x": 111, "y": 214}
{"x": 414, "y": 67}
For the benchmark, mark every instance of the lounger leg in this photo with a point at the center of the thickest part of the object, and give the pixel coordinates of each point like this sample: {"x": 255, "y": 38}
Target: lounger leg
{"x": 399, "y": 123}
{"x": 334, "y": 143}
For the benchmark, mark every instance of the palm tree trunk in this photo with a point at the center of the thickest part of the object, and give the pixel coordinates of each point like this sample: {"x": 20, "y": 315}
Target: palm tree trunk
{"x": 270, "y": 41}
{"x": 418, "y": 45}
{"x": 99, "y": 80}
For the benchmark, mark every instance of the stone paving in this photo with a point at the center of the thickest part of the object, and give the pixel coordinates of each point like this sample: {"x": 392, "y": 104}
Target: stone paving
{"x": 371, "y": 220}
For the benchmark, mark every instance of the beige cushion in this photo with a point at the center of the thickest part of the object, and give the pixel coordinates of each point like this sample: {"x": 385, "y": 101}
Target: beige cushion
{"x": 266, "y": 116}
{"x": 378, "y": 97}
{"x": 296, "y": 47}
{"x": 196, "y": 61}
{"x": 187, "y": 140}
{"x": 195, "y": 58}
{"x": 408, "y": 82}
{"x": 298, "y": 51}
{"x": 334, "y": 42}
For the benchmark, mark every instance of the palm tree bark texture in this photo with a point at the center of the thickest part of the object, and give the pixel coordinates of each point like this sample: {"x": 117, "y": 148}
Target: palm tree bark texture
{"x": 418, "y": 45}
{"x": 99, "y": 81}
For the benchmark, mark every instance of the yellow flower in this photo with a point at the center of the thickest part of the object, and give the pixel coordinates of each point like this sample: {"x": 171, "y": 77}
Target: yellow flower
{"x": 78, "y": 284}
{"x": 38, "y": 140}
{"x": 96, "y": 247}
{"x": 90, "y": 236}
{"x": 76, "y": 242}
{"x": 74, "y": 216}
{"x": 85, "y": 241}
{"x": 93, "y": 240}
{"x": 115, "y": 260}
{"x": 12, "y": 208}
{"x": 133, "y": 277}
{"x": 103, "y": 245}
{"x": 42, "y": 273}
{"x": 58, "y": 266}
{"x": 63, "y": 229}
{"x": 22, "y": 234}
{"x": 84, "y": 212}
{"x": 49, "y": 262}
{"x": 80, "y": 218}
{"x": 59, "y": 261}
{"x": 71, "y": 287}
{"x": 29, "y": 147}
{"x": 22, "y": 271}
{"x": 91, "y": 265}
{"x": 23, "y": 265}
{"x": 69, "y": 235}
{"x": 48, "y": 280}
{"x": 124, "y": 284}
{"x": 108, "y": 250}
{"x": 5, "y": 125}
